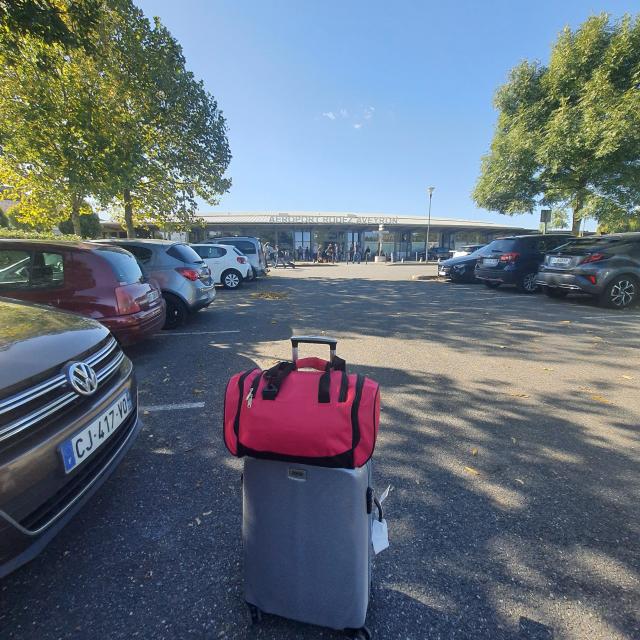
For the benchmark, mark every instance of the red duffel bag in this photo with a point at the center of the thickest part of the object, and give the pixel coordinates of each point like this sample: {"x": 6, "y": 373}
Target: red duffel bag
{"x": 309, "y": 411}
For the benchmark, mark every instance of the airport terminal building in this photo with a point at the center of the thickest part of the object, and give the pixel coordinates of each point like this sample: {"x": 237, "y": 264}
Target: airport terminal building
{"x": 401, "y": 236}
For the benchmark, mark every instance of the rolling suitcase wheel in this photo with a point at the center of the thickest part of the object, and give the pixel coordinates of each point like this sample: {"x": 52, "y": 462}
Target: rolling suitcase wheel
{"x": 358, "y": 634}
{"x": 254, "y": 613}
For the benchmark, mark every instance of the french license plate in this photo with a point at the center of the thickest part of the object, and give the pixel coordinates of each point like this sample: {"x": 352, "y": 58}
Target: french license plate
{"x": 85, "y": 443}
{"x": 559, "y": 261}
{"x": 152, "y": 296}
{"x": 490, "y": 262}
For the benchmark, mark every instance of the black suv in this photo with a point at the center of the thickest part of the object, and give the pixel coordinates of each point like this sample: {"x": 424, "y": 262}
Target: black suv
{"x": 515, "y": 260}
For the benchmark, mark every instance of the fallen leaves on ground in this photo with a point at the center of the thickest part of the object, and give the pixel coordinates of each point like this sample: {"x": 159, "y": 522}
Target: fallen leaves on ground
{"x": 474, "y": 452}
{"x": 627, "y": 377}
{"x": 519, "y": 395}
{"x": 601, "y": 399}
{"x": 472, "y": 471}
{"x": 269, "y": 295}
{"x": 520, "y": 481}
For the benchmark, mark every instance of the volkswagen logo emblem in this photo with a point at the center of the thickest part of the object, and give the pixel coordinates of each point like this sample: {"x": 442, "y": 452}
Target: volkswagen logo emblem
{"x": 82, "y": 378}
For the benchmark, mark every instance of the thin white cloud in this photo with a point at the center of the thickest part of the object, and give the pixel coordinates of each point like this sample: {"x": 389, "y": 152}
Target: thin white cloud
{"x": 357, "y": 125}
{"x": 368, "y": 112}
{"x": 330, "y": 115}
{"x": 344, "y": 113}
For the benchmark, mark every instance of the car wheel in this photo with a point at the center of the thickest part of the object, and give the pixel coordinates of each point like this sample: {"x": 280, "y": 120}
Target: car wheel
{"x": 176, "y": 312}
{"x": 231, "y": 279}
{"x": 255, "y": 273}
{"x": 555, "y": 292}
{"x": 527, "y": 284}
{"x": 622, "y": 292}
{"x": 491, "y": 285}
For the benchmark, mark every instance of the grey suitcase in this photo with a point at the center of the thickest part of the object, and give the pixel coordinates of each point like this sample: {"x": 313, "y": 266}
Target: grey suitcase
{"x": 307, "y": 542}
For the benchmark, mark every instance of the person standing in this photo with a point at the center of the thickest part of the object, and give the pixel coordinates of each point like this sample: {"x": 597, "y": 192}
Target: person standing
{"x": 367, "y": 254}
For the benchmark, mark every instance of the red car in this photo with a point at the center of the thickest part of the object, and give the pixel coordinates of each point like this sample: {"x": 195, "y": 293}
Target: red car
{"x": 98, "y": 281}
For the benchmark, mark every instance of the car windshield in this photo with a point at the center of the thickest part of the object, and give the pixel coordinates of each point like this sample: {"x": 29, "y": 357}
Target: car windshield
{"x": 124, "y": 266}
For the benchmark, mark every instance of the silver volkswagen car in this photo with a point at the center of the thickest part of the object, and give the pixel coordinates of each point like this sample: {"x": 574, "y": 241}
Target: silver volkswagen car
{"x": 182, "y": 275}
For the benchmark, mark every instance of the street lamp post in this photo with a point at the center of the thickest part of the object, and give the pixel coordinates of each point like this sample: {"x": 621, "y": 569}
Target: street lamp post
{"x": 430, "y": 191}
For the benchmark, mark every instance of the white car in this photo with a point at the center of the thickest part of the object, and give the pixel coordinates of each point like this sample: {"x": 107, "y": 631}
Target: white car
{"x": 229, "y": 267}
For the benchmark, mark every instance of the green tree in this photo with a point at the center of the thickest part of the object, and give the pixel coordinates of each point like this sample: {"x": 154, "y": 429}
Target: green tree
{"x": 568, "y": 134}
{"x": 89, "y": 226}
{"x": 170, "y": 138}
{"x": 54, "y": 131}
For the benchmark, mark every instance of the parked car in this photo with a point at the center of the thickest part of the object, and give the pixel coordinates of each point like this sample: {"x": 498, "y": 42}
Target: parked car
{"x": 249, "y": 247}
{"x": 183, "y": 277}
{"x": 68, "y": 415}
{"x": 101, "y": 282}
{"x": 515, "y": 260}
{"x": 461, "y": 268}
{"x": 229, "y": 267}
{"x": 436, "y": 253}
{"x": 466, "y": 249}
{"x": 606, "y": 267}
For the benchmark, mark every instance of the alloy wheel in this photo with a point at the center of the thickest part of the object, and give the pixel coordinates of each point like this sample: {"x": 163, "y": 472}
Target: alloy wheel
{"x": 232, "y": 281}
{"x": 529, "y": 282}
{"x": 623, "y": 293}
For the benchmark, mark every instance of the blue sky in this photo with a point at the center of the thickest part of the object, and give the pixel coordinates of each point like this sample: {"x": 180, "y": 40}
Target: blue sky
{"x": 358, "y": 105}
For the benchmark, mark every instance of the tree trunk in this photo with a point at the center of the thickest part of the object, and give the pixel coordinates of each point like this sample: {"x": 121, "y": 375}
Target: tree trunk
{"x": 128, "y": 213}
{"x": 578, "y": 203}
{"x": 75, "y": 216}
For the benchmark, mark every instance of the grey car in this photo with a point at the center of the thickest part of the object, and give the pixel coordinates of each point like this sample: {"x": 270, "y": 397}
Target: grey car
{"x": 606, "y": 267}
{"x": 182, "y": 275}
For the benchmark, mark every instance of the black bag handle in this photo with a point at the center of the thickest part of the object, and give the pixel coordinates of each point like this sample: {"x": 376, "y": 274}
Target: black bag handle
{"x": 275, "y": 377}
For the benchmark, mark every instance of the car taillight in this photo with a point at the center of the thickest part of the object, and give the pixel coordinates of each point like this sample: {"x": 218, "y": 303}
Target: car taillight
{"x": 189, "y": 274}
{"x": 509, "y": 257}
{"x": 594, "y": 257}
{"x": 591, "y": 279}
{"x": 241, "y": 260}
{"x": 126, "y": 299}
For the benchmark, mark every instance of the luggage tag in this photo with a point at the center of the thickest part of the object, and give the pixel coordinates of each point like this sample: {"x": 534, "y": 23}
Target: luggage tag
{"x": 379, "y": 529}
{"x": 379, "y": 536}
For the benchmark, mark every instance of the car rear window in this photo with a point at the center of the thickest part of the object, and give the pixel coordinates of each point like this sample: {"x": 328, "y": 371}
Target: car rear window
{"x": 124, "y": 266}
{"x": 503, "y": 246}
{"x": 244, "y": 245}
{"x": 183, "y": 252}
{"x": 580, "y": 246}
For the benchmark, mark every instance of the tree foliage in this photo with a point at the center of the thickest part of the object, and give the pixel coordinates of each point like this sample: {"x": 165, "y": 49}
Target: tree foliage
{"x": 568, "y": 133}
{"x": 113, "y": 116}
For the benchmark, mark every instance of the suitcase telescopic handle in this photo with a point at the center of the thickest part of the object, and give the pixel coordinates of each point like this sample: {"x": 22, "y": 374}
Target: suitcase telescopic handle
{"x": 296, "y": 340}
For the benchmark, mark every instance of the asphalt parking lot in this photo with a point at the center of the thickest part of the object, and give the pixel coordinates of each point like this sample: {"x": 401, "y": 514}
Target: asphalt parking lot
{"x": 509, "y": 434}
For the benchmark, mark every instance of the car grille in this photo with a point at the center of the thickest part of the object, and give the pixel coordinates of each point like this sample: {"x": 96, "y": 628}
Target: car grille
{"x": 35, "y": 405}
{"x": 48, "y": 510}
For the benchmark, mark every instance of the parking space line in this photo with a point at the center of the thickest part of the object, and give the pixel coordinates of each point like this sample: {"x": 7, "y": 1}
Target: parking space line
{"x": 173, "y": 407}
{"x": 193, "y": 333}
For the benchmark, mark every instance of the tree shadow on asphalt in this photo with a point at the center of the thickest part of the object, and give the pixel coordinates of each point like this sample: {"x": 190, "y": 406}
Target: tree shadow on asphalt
{"x": 542, "y": 519}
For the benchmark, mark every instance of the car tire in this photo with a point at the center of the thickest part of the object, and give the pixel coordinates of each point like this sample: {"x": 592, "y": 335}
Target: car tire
{"x": 231, "y": 279}
{"x": 527, "y": 283}
{"x": 622, "y": 292}
{"x": 177, "y": 312}
{"x": 491, "y": 285}
{"x": 255, "y": 273}
{"x": 555, "y": 292}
